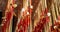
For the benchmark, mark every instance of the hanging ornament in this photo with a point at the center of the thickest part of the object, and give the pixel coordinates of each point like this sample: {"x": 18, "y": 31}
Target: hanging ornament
{"x": 55, "y": 27}
{"x": 31, "y": 7}
{"x": 48, "y": 14}
{"x": 14, "y": 5}
{"x": 27, "y": 13}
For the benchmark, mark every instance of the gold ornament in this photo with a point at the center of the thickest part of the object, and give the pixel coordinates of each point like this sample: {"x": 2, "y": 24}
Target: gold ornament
{"x": 48, "y": 14}
{"x": 15, "y": 5}
{"x": 27, "y": 13}
{"x": 31, "y": 7}
{"x": 55, "y": 27}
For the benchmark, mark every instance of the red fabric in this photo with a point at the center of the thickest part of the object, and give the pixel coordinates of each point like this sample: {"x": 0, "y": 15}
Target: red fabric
{"x": 55, "y": 24}
{"x": 7, "y": 22}
{"x": 8, "y": 18}
{"x": 30, "y": 10}
{"x": 4, "y": 28}
{"x": 24, "y": 23}
{"x": 47, "y": 19}
{"x": 40, "y": 25}
{"x": 42, "y": 22}
{"x": 46, "y": 10}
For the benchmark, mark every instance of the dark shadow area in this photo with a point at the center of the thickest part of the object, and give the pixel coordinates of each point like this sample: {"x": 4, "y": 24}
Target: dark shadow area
{"x": 14, "y": 23}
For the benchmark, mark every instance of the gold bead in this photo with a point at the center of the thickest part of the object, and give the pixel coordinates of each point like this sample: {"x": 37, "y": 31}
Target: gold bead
{"x": 15, "y": 5}
{"x": 31, "y": 7}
